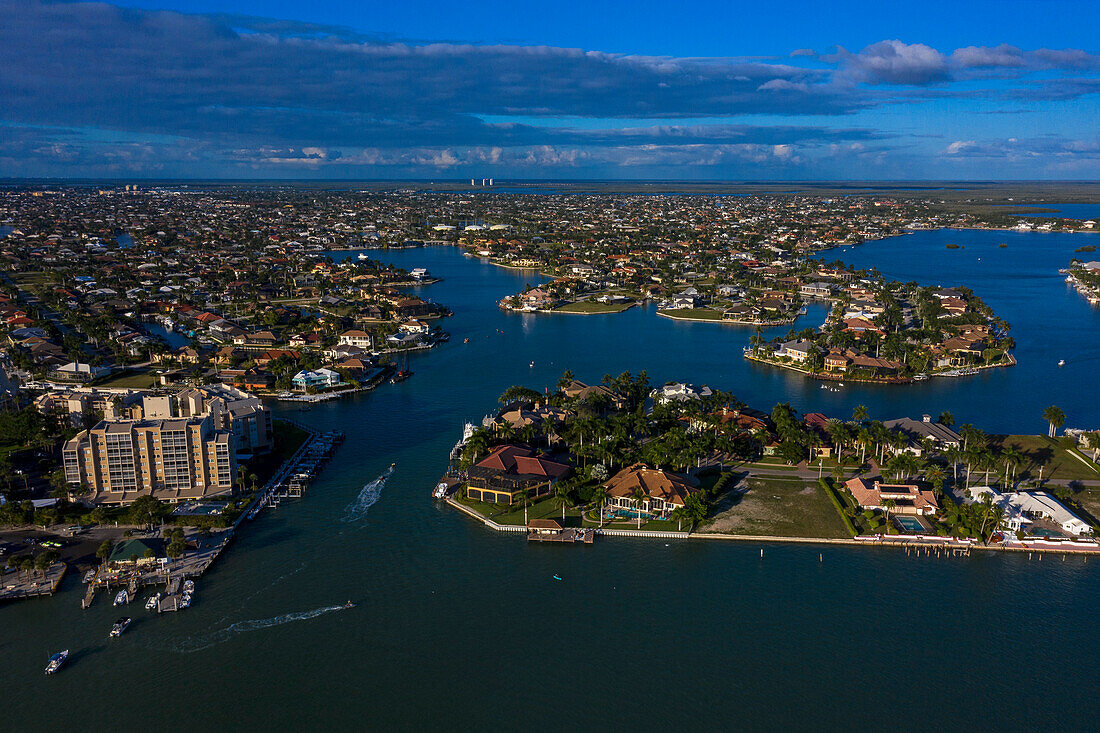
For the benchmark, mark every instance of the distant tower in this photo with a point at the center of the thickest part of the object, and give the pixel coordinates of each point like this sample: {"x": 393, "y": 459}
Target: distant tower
{"x": 472, "y": 182}
{"x": 490, "y": 181}
{"x": 484, "y": 181}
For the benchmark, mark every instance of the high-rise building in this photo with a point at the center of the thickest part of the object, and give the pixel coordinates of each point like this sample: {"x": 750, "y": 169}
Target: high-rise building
{"x": 174, "y": 459}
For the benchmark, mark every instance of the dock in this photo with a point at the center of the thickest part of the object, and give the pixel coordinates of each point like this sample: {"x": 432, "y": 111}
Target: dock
{"x": 24, "y": 584}
{"x": 294, "y": 477}
{"x": 549, "y": 530}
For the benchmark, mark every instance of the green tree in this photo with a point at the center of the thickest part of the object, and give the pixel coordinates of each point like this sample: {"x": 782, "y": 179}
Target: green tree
{"x": 1055, "y": 419}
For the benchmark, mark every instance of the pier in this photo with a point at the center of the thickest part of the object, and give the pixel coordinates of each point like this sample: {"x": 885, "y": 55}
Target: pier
{"x": 549, "y": 530}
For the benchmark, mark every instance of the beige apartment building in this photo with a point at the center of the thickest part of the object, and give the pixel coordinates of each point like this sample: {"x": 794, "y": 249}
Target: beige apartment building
{"x": 174, "y": 459}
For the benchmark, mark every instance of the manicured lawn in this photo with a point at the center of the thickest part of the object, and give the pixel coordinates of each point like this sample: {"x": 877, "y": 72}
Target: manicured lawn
{"x": 780, "y": 508}
{"x": 136, "y": 379}
{"x": 550, "y": 508}
{"x": 695, "y": 314}
{"x": 588, "y": 306}
{"x": 1039, "y": 450}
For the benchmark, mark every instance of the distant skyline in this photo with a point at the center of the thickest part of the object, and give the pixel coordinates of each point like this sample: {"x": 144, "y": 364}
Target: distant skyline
{"x": 516, "y": 90}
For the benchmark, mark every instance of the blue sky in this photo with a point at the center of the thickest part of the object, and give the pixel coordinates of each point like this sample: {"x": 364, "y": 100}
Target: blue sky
{"x": 714, "y": 90}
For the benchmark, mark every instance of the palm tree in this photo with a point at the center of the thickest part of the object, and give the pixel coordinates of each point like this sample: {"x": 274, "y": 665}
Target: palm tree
{"x": 888, "y": 504}
{"x": 946, "y": 419}
{"x": 860, "y": 414}
{"x": 1013, "y": 458}
{"x": 1055, "y": 419}
{"x": 639, "y": 496}
{"x": 561, "y": 491}
{"x": 599, "y": 496}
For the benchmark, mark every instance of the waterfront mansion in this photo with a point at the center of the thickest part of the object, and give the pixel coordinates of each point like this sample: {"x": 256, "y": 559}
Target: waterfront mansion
{"x": 510, "y": 474}
{"x": 906, "y": 498}
{"x": 650, "y": 491}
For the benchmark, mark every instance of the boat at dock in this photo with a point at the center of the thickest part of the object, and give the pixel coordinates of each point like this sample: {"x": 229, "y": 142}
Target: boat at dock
{"x": 120, "y": 626}
{"x": 57, "y": 661}
{"x": 122, "y": 598}
{"x": 89, "y": 576}
{"x": 153, "y": 602}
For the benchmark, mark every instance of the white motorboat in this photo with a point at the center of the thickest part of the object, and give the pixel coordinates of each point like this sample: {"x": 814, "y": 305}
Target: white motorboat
{"x": 185, "y": 600}
{"x": 152, "y": 603}
{"x": 122, "y": 598}
{"x": 188, "y": 586}
{"x": 56, "y": 661}
{"x": 1061, "y": 362}
{"x": 120, "y": 626}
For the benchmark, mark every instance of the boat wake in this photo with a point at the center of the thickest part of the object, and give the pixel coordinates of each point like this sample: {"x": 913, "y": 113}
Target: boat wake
{"x": 368, "y": 497}
{"x": 199, "y": 643}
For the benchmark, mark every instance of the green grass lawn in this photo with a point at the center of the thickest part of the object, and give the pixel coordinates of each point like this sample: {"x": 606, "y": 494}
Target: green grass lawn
{"x": 1039, "y": 450}
{"x": 694, "y": 314}
{"x": 588, "y": 306}
{"x": 780, "y": 508}
{"x": 550, "y": 508}
{"x": 140, "y": 379}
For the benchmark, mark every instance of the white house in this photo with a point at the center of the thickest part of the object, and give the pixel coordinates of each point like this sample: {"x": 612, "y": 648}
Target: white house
{"x": 680, "y": 392}
{"x": 318, "y": 379}
{"x": 1021, "y": 508}
{"x": 1040, "y": 504}
{"x": 355, "y": 337}
{"x": 796, "y": 350}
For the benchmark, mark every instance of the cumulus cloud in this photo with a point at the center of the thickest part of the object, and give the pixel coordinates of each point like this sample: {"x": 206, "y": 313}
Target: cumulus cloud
{"x": 89, "y": 87}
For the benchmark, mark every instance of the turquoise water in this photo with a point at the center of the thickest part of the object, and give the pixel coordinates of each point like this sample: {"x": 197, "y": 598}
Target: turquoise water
{"x": 460, "y": 628}
{"x": 910, "y": 524}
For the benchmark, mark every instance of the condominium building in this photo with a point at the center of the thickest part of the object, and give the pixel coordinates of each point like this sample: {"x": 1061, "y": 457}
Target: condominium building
{"x": 174, "y": 459}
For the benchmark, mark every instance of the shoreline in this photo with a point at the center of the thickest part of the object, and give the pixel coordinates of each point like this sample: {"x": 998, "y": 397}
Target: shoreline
{"x": 931, "y": 543}
{"x": 830, "y": 377}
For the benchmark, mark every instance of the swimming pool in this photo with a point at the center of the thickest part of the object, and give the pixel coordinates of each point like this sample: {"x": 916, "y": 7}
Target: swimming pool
{"x": 912, "y": 525}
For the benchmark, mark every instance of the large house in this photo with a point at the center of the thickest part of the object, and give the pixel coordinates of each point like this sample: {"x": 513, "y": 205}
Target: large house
{"x": 664, "y": 492}
{"x": 918, "y": 431}
{"x": 355, "y": 337}
{"x": 906, "y": 498}
{"x": 511, "y": 473}
{"x": 1020, "y": 509}
{"x": 318, "y": 379}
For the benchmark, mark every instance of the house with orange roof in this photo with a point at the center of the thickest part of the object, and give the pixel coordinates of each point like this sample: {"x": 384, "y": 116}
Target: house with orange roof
{"x": 661, "y": 492}
{"x": 907, "y": 498}
{"x": 512, "y": 473}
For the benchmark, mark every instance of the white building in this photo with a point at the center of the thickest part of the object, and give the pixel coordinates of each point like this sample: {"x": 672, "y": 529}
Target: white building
{"x": 1021, "y": 508}
{"x": 319, "y": 379}
{"x": 355, "y": 337}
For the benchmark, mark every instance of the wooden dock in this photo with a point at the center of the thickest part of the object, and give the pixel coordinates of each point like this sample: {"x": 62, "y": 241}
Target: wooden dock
{"x": 548, "y": 530}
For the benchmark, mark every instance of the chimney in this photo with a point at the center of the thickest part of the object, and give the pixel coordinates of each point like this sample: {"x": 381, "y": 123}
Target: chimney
{"x": 926, "y": 418}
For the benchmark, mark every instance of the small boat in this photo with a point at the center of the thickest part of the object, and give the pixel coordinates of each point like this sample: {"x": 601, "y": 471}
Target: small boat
{"x": 1061, "y": 362}
{"x": 557, "y": 577}
{"x": 56, "y": 661}
{"x": 185, "y": 601}
{"x": 466, "y": 341}
{"x": 363, "y": 256}
{"x": 532, "y": 365}
{"x": 120, "y": 626}
{"x": 153, "y": 602}
{"x": 349, "y": 604}
{"x": 188, "y": 586}
{"x": 89, "y": 576}
{"x": 122, "y": 598}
